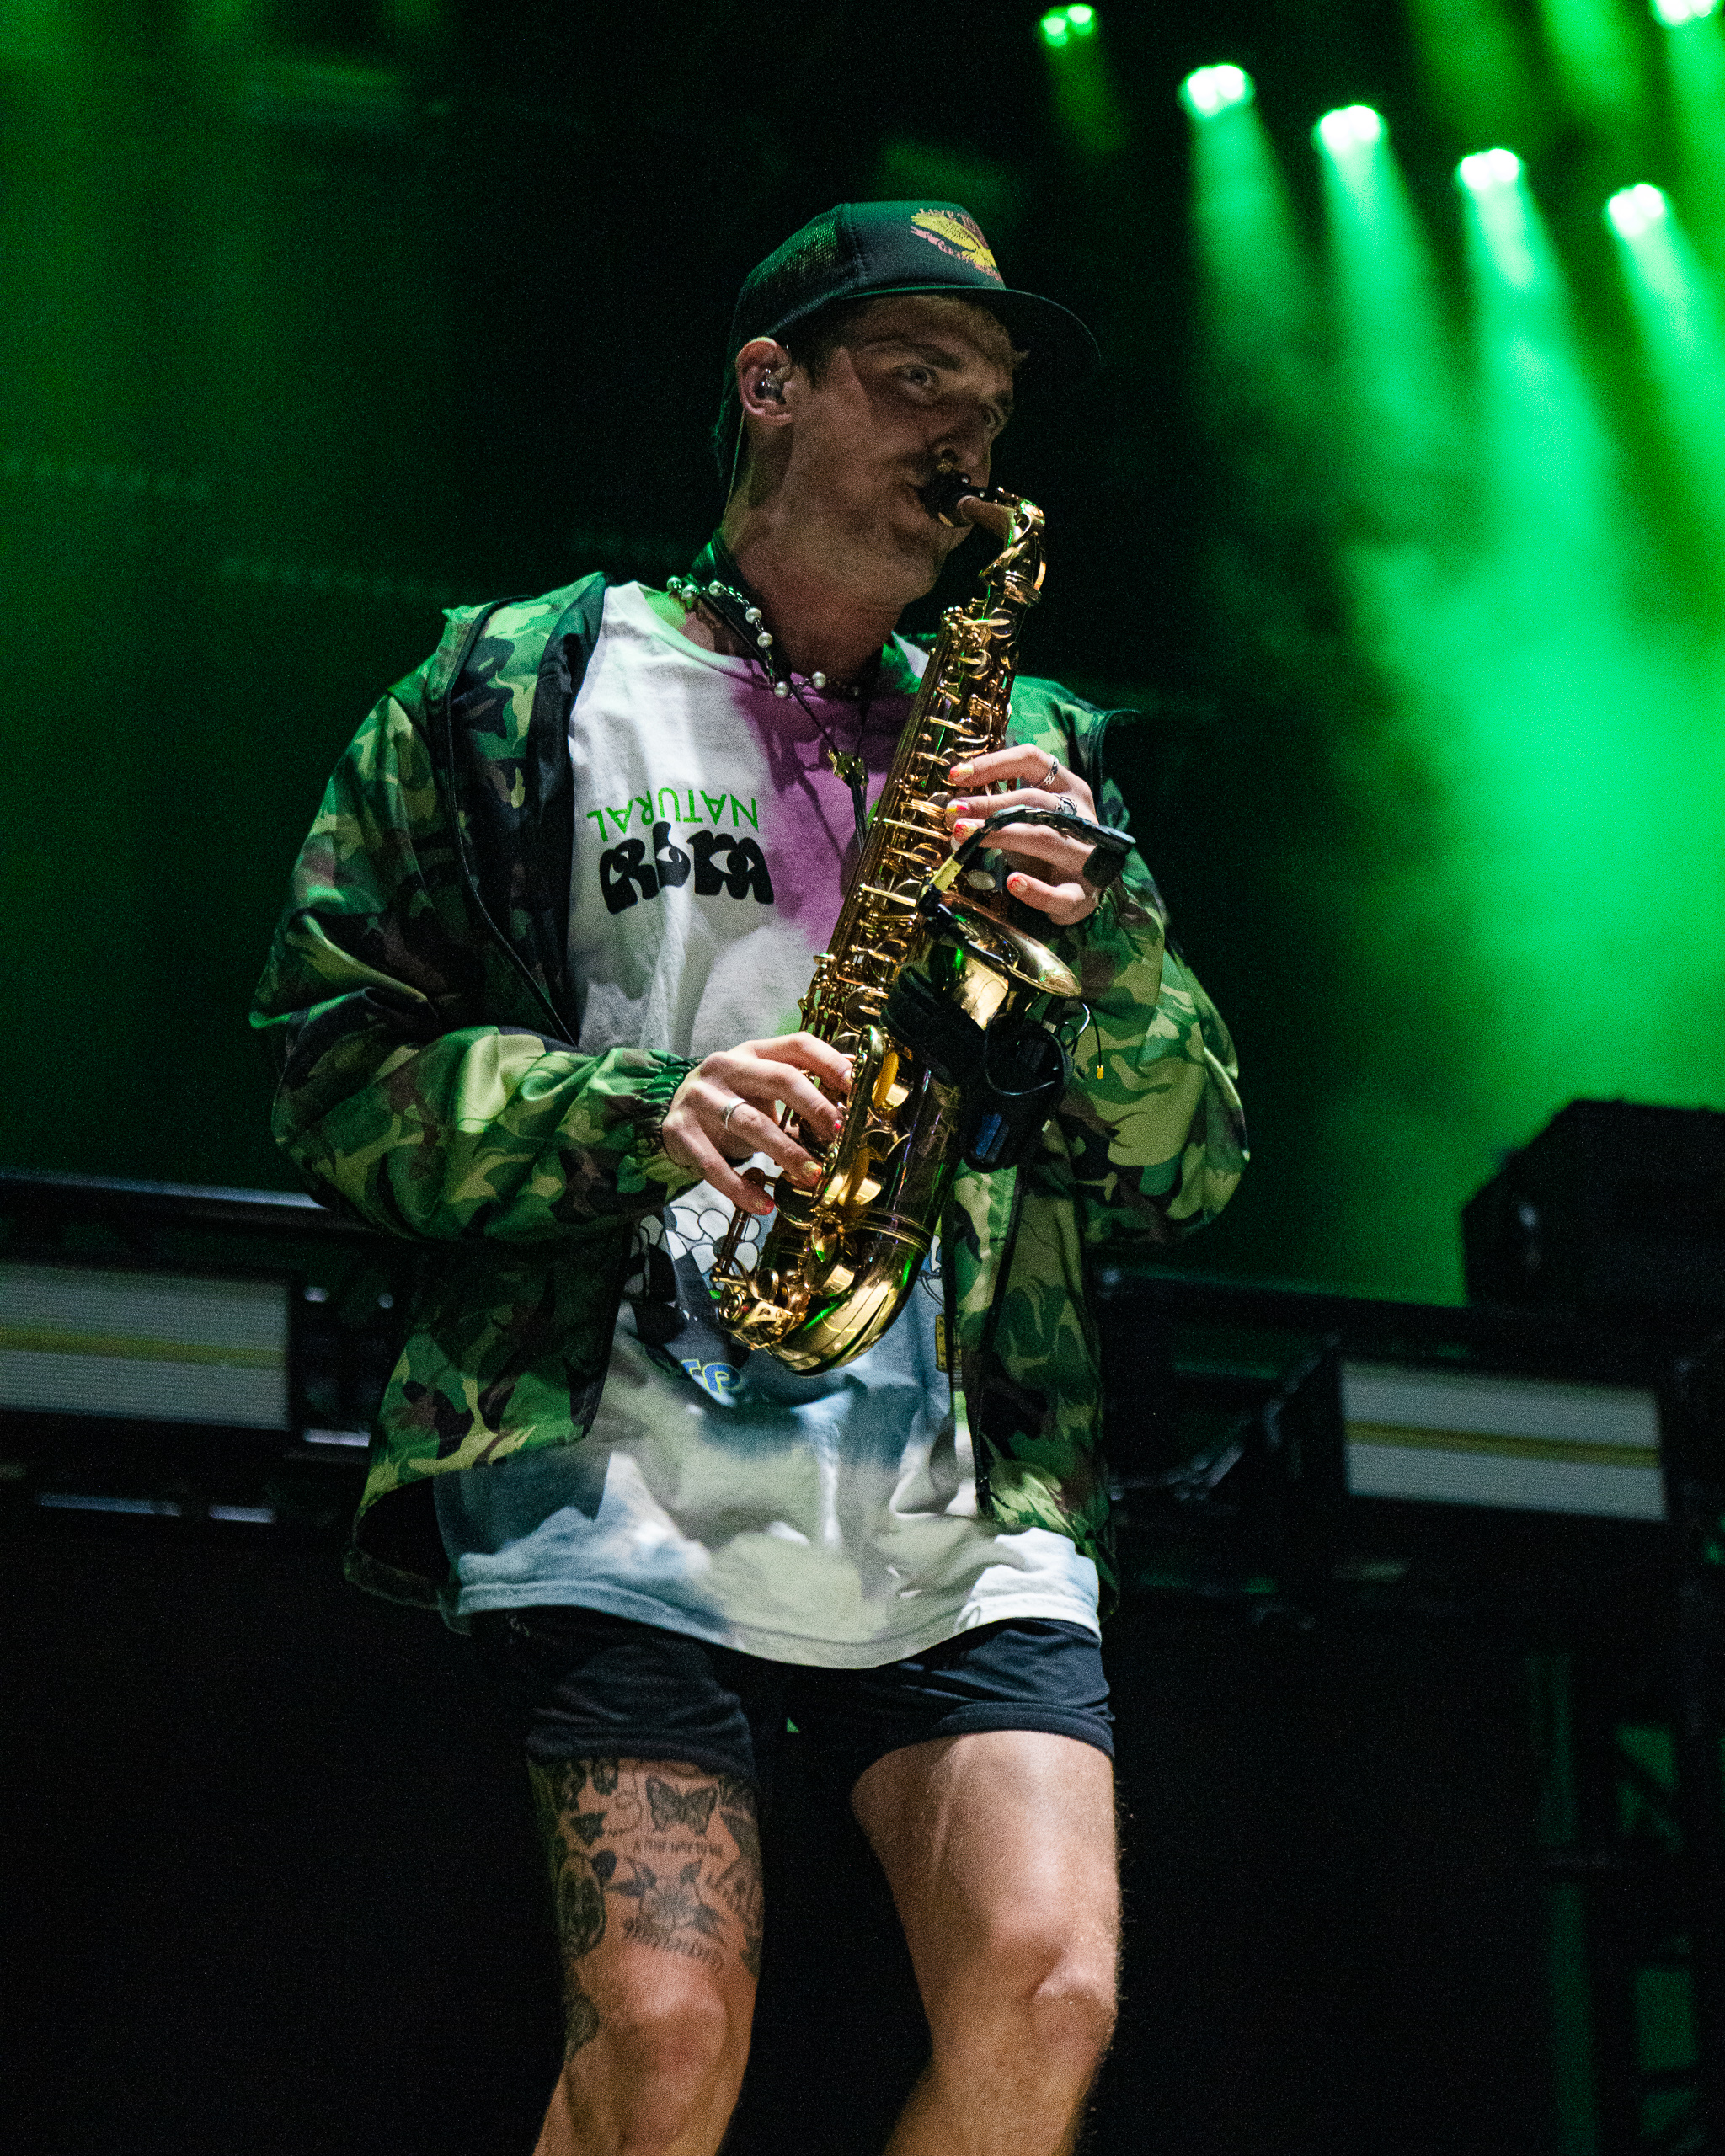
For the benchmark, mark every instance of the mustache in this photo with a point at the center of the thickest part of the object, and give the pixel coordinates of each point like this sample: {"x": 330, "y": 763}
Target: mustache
{"x": 945, "y": 488}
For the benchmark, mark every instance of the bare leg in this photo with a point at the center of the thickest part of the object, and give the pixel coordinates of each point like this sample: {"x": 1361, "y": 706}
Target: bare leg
{"x": 655, "y": 1875}
{"x": 1000, "y": 1850}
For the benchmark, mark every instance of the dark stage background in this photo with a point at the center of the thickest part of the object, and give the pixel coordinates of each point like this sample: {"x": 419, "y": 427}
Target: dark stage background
{"x": 1397, "y": 521}
{"x": 315, "y": 317}
{"x": 271, "y": 1884}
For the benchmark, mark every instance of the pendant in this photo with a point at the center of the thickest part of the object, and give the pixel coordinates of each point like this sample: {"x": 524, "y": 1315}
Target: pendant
{"x": 855, "y": 773}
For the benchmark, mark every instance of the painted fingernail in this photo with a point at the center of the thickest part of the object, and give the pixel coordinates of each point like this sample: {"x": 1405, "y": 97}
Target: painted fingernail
{"x": 962, "y": 772}
{"x": 965, "y": 826}
{"x": 1017, "y": 882}
{"x": 809, "y": 1174}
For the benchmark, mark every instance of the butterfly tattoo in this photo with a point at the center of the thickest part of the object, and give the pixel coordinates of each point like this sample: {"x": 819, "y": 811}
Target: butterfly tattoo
{"x": 671, "y": 1807}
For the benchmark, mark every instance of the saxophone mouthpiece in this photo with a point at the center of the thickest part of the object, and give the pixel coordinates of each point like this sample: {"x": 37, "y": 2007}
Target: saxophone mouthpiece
{"x": 957, "y": 501}
{"x": 944, "y": 491}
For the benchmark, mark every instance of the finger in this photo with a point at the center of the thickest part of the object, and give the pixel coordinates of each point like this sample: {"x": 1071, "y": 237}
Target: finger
{"x": 758, "y": 1132}
{"x": 1063, "y": 903}
{"x": 992, "y": 804}
{"x": 810, "y": 1053}
{"x": 717, "y": 1173}
{"x": 762, "y": 1082}
{"x": 745, "y": 1075}
{"x": 1075, "y": 795}
{"x": 1067, "y": 855}
{"x": 1020, "y": 761}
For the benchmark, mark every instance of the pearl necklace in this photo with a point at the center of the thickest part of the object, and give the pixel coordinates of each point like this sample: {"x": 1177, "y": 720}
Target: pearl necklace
{"x": 746, "y": 622}
{"x": 739, "y": 612}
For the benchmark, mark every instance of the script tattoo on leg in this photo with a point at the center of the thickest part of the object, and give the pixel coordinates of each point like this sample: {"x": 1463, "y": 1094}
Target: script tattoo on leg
{"x": 702, "y": 1858}
{"x": 679, "y": 1846}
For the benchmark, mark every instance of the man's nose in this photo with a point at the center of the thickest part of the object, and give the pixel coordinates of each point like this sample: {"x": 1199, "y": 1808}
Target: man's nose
{"x": 969, "y": 436}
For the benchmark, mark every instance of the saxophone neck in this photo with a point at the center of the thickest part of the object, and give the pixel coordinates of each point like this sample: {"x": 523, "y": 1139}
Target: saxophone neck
{"x": 1013, "y": 578}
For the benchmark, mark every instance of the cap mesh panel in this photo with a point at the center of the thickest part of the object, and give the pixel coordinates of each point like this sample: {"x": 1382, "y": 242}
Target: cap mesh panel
{"x": 773, "y": 288}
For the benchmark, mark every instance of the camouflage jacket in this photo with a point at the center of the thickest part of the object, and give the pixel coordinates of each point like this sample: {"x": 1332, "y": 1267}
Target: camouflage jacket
{"x": 418, "y": 1006}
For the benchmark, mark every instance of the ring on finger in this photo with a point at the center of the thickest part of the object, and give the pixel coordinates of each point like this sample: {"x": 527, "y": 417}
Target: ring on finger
{"x": 1052, "y": 772}
{"x": 1065, "y": 806}
{"x": 724, "y": 1121}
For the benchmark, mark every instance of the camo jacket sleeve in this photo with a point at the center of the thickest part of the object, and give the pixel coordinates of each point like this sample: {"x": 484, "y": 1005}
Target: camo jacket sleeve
{"x": 423, "y": 1082}
{"x": 1152, "y": 1121}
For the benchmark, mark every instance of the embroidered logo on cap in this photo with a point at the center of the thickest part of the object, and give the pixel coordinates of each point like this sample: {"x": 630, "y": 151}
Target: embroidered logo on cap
{"x": 954, "y": 233}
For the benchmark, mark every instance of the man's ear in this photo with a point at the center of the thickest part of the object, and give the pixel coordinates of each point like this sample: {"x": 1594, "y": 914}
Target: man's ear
{"x": 762, "y": 367}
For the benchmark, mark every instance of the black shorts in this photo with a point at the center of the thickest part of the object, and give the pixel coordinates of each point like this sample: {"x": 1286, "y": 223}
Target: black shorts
{"x": 581, "y": 1684}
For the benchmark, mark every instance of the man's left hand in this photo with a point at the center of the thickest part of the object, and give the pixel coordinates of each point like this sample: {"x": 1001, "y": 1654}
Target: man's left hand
{"x": 1030, "y": 778}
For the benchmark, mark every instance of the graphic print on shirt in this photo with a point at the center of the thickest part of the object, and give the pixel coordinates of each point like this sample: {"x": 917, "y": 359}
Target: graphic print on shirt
{"x": 628, "y": 873}
{"x": 723, "y": 861}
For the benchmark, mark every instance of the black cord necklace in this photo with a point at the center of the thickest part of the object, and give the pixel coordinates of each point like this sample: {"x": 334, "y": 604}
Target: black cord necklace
{"x": 715, "y": 583}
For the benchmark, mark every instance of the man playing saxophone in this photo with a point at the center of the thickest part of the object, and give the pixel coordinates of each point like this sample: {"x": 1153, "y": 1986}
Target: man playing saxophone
{"x": 534, "y": 1001}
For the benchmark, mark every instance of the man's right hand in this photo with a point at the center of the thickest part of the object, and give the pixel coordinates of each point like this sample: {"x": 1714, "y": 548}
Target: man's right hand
{"x": 749, "y": 1081}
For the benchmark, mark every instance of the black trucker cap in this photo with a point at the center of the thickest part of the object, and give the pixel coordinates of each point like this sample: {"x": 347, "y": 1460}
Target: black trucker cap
{"x": 872, "y": 250}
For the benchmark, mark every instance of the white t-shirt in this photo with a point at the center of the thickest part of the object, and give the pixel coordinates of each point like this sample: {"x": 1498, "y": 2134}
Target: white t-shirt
{"x": 830, "y": 1520}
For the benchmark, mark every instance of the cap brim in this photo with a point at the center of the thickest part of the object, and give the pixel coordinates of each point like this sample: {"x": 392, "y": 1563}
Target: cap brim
{"x": 1046, "y": 330}
{"x": 1051, "y": 336}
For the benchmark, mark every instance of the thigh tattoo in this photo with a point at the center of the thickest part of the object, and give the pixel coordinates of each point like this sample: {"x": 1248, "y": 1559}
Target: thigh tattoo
{"x": 677, "y": 1847}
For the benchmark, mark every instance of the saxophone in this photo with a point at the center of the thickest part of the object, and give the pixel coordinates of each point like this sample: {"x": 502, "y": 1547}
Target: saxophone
{"x": 838, "y": 1263}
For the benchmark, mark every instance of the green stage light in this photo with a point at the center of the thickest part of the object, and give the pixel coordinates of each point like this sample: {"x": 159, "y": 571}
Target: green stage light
{"x": 1632, "y": 210}
{"x": 1393, "y": 371}
{"x": 1683, "y": 343}
{"x": 1207, "y": 91}
{"x": 1061, "y": 24}
{"x": 1673, "y": 14}
{"x": 1488, "y": 168}
{"x": 1349, "y": 130}
{"x": 1085, "y": 99}
{"x": 1494, "y": 183}
{"x": 1540, "y": 771}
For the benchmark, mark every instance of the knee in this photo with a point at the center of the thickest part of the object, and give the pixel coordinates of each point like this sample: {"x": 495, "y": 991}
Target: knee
{"x": 1071, "y": 2012}
{"x": 1045, "y": 1999}
{"x": 662, "y": 2063}
{"x": 681, "y": 2038}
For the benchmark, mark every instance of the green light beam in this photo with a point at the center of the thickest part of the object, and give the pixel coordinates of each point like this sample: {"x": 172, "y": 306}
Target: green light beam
{"x": 1481, "y": 69}
{"x": 1086, "y": 102}
{"x": 1695, "y": 65}
{"x": 1395, "y": 374}
{"x": 1683, "y": 339}
{"x": 1253, "y": 285}
{"x": 1548, "y": 451}
{"x": 1598, "y": 61}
